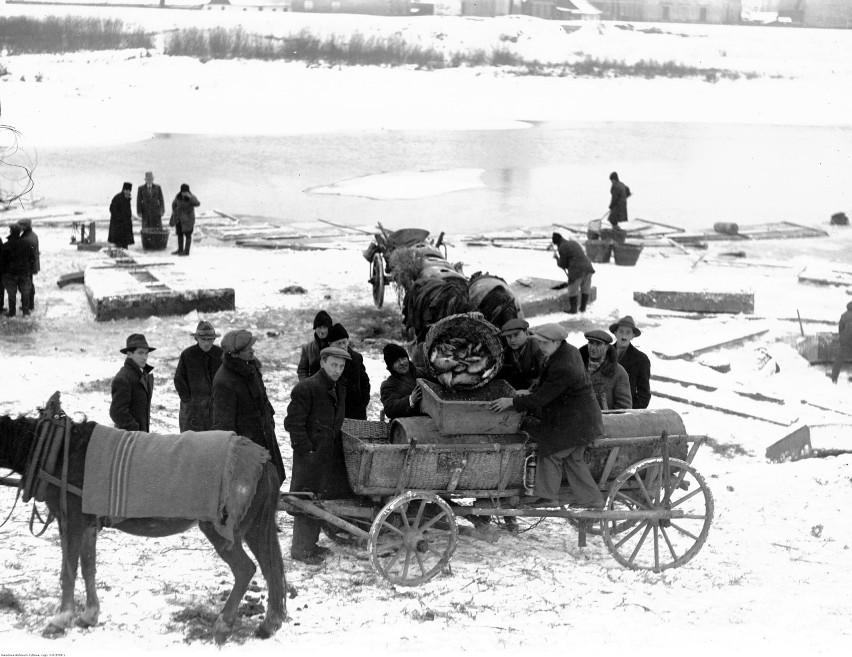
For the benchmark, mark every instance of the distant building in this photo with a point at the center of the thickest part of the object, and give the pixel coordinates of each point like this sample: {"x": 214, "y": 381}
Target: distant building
{"x": 375, "y": 7}
{"x": 816, "y": 13}
{"x": 665, "y": 11}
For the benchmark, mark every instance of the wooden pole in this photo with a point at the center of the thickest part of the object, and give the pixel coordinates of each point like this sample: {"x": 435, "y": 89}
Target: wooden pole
{"x": 801, "y": 328}
{"x": 657, "y": 223}
{"x": 226, "y": 215}
{"x": 331, "y": 223}
{"x": 317, "y": 512}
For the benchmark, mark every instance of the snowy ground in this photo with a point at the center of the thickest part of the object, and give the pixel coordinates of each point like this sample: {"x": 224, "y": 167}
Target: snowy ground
{"x": 773, "y": 576}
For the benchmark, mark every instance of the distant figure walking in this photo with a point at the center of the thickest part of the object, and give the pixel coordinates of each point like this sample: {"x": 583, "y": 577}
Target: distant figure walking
{"x": 121, "y": 218}
{"x": 150, "y": 205}
{"x": 844, "y": 348}
{"x": 571, "y": 257}
{"x": 28, "y": 236}
{"x": 196, "y": 368}
{"x": 619, "y": 193}
{"x": 183, "y": 218}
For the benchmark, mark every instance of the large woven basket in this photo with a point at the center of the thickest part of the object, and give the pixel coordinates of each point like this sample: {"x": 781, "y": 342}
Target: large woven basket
{"x": 376, "y": 467}
{"x": 473, "y": 327}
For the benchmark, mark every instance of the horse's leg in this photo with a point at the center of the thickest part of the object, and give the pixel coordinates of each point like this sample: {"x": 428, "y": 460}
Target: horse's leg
{"x": 262, "y": 540}
{"x": 70, "y": 532}
{"x": 243, "y": 569}
{"x": 88, "y": 568}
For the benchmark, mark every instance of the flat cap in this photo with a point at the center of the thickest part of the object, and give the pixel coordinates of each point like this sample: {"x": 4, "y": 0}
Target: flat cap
{"x": 335, "y": 351}
{"x": 516, "y": 324}
{"x": 551, "y": 332}
{"x": 599, "y": 335}
{"x": 235, "y": 341}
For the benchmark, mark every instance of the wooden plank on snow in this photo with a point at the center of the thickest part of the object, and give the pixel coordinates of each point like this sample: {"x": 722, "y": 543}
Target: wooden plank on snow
{"x": 718, "y": 336}
{"x": 704, "y": 301}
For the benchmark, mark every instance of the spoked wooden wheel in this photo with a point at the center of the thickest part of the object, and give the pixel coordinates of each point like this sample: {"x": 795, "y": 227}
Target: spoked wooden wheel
{"x": 624, "y": 502}
{"x": 657, "y": 544}
{"x": 413, "y": 538}
{"x": 377, "y": 278}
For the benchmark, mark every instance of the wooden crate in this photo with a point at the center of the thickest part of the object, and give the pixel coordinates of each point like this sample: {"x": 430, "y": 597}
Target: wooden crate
{"x": 467, "y": 411}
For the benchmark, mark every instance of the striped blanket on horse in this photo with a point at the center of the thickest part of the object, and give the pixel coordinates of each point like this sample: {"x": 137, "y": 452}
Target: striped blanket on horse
{"x": 200, "y": 475}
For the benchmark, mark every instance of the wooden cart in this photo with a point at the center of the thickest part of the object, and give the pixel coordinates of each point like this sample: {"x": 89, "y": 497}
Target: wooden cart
{"x": 657, "y": 514}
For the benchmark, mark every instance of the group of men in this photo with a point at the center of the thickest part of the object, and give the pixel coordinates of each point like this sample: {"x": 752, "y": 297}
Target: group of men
{"x": 150, "y": 207}
{"x": 20, "y": 260}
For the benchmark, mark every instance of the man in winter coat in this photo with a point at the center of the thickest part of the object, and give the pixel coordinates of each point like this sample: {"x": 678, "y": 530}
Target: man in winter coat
{"x": 194, "y": 375}
{"x": 18, "y": 265}
{"x": 571, "y": 257}
{"x": 133, "y": 387}
{"x": 523, "y": 359}
{"x": 354, "y": 375}
{"x": 314, "y": 420}
{"x": 400, "y": 393}
{"x": 28, "y": 236}
{"x": 150, "y": 205}
{"x": 240, "y": 403}
{"x": 570, "y": 419}
{"x": 609, "y": 379}
{"x": 636, "y": 364}
{"x": 619, "y": 193}
{"x": 309, "y": 360}
{"x": 183, "y": 218}
{"x": 121, "y": 218}
{"x": 2, "y": 287}
{"x": 844, "y": 348}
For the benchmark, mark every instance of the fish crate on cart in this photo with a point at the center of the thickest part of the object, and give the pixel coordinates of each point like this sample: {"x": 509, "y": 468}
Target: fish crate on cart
{"x": 377, "y": 467}
{"x": 468, "y": 411}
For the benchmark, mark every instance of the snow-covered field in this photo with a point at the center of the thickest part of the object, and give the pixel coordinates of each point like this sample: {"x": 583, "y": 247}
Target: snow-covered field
{"x": 774, "y": 575}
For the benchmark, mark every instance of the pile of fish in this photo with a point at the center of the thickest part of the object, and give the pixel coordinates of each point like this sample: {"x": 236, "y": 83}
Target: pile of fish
{"x": 459, "y": 363}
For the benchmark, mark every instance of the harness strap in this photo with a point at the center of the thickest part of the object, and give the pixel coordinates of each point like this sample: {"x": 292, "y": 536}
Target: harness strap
{"x": 62, "y": 484}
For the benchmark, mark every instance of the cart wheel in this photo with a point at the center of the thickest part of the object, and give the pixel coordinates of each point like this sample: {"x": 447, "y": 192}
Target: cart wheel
{"x": 377, "y": 278}
{"x": 624, "y": 502}
{"x": 658, "y": 544}
{"x": 413, "y": 538}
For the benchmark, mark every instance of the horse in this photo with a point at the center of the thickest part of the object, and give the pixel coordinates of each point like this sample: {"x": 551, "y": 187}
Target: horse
{"x": 493, "y": 297}
{"x": 78, "y": 531}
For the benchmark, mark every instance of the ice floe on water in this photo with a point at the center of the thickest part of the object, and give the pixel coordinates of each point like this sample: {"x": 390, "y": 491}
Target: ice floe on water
{"x": 403, "y": 185}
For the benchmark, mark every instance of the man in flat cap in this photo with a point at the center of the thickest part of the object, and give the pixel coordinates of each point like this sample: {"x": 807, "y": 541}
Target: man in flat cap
{"x": 571, "y": 257}
{"x": 309, "y": 361}
{"x": 315, "y": 420}
{"x": 30, "y": 238}
{"x": 121, "y": 218}
{"x": 150, "y": 205}
{"x": 196, "y": 368}
{"x": 609, "y": 380}
{"x": 636, "y": 364}
{"x": 133, "y": 387}
{"x": 570, "y": 419}
{"x": 400, "y": 393}
{"x": 523, "y": 358}
{"x": 240, "y": 403}
{"x": 354, "y": 374}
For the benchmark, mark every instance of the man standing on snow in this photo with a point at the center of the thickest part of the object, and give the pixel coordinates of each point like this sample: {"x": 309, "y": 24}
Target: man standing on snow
{"x": 844, "y": 348}
{"x": 571, "y": 257}
{"x": 121, "y": 218}
{"x": 150, "y": 205}
{"x": 133, "y": 387}
{"x": 636, "y": 363}
{"x": 619, "y": 193}
{"x": 196, "y": 368}
{"x": 28, "y": 236}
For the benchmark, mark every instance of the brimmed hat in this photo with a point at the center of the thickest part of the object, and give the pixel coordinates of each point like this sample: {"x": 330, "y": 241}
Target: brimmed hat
{"x": 235, "y": 341}
{"x": 627, "y": 320}
{"x": 127, "y": 186}
{"x": 599, "y": 335}
{"x": 337, "y": 332}
{"x": 551, "y": 332}
{"x": 392, "y": 353}
{"x": 335, "y": 351}
{"x": 516, "y": 324}
{"x": 205, "y": 330}
{"x": 322, "y": 319}
{"x": 134, "y": 342}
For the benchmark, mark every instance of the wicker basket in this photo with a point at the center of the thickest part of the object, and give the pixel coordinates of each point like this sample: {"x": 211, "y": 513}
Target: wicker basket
{"x": 599, "y": 250}
{"x": 626, "y": 255}
{"x": 376, "y": 467}
{"x": 473, "y": 327}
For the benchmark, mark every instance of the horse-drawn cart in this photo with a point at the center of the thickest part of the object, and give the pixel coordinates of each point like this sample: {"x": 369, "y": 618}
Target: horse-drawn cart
{"x": 657, "y": 513}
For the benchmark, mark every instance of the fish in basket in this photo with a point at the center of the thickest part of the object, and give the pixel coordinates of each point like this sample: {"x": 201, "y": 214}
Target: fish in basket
{"x": 463, "y": 351}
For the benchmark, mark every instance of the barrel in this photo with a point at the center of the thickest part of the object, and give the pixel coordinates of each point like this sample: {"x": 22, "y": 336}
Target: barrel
{"x": 155, "y": 239}
{"x": 424, "y": 430}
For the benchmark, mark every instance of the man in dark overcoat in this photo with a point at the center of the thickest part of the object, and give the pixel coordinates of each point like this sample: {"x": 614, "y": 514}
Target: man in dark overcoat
{"x": 570, "y": 419}
{"x": 28, "y": 236}
{"x": 315, "y": 419}
{"x": 400, "y": 393}
{"x": 354, "y": 374}
{"x": 18, "y": 264}
{"x": 150, "y": 206}
{"x": 523, "y": 358}
{"x": 183, "y": 218}
{"x": 121, "y": 218}
{"x": 636, "y": 363}
{"x": 133, "y": 387}
{"x": 619, "y": 193}
{"x": 844, "y": 348}
{"x": 571, "y": 257}
{"x": 240, "y": 403}
{"x": 196, "y": 368}
{"x": 309, "y": 360}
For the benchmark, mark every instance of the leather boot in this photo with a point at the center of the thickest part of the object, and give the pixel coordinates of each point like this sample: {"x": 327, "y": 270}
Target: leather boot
{"x": 572, "y": 308}
{"x": 584, "y": 299}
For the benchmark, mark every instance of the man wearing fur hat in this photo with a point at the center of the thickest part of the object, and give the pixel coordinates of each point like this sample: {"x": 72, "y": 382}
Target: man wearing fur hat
{"x": 194, "y": 375}
{"x": 571, "y": 257}
{"x": 28, "y": 236}
{"x": 400, "y": 393}
{"x": 609, "y": 379}
{"x": 240, "y": 403}
{"x": 133, "y": 387}
{"x": 523, "y": 359}
{"x": 844, "y": 347}
{"x": 183, "y": 218}
{"x": 315, "y": 420}
{"x": 354, "y": 374}
{"x": 121, "y": 218}
{"x": 150, "y": 205}
{"x": 635, "y": 363}
{"x": 309, "y": 360}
